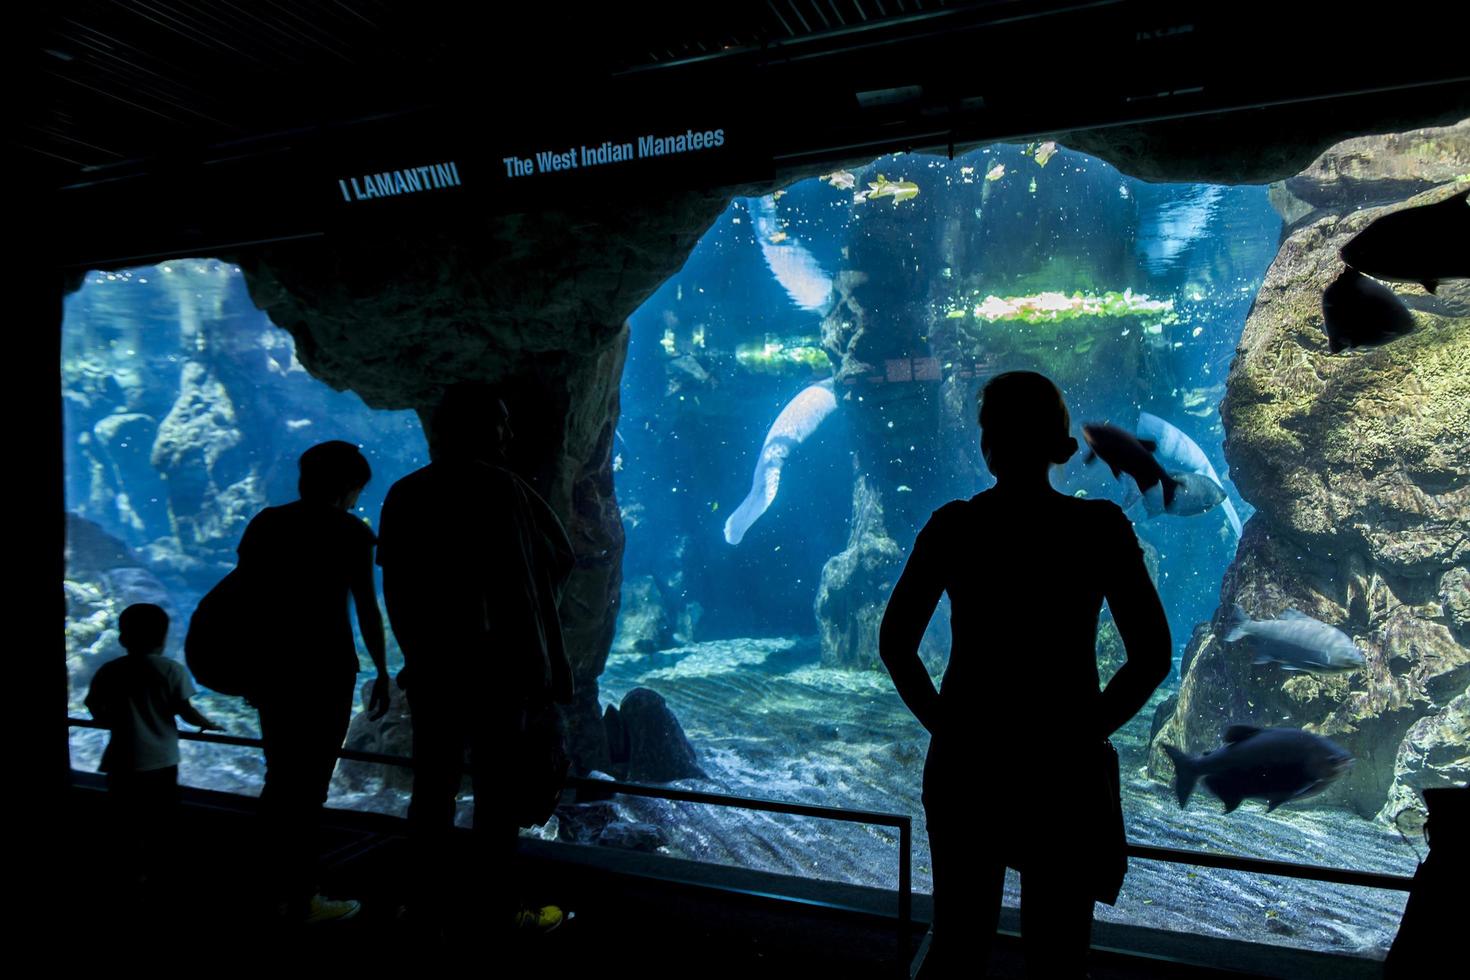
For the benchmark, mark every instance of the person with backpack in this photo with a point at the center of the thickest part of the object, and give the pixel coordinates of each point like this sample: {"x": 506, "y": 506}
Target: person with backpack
{"x": 474, "y": 565}
{"x": 299, "y": 563}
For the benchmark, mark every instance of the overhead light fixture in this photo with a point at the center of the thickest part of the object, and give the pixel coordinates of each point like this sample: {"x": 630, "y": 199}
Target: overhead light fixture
{"x": 880, "y": 97}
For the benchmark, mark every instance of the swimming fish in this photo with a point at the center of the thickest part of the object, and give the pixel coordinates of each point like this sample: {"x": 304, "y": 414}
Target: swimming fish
{"x": 1425, "y": 244}
{"x": 1174, "y": 444}
{"x": 899, "y": 190}
{"x": 843, "y": 180}
{"x": 1359, "y": 312}
{"x": 778, "y": 238}
{"x": 1045, "y": 152}
{"x": 1273, "y": 764}
{"x": 1194, "y": 494}
{"x": 996, "y": 172}
{"x": 1126, "y": 453}
{"x": 1296, "y": 641}
{"x": 793, "y": 426}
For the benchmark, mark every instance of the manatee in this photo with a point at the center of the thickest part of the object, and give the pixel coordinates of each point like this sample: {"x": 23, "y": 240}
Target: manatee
{"x": 791, "y": 262}
{"x": 797, "y": 421}
{"x": 1177, "y": 446}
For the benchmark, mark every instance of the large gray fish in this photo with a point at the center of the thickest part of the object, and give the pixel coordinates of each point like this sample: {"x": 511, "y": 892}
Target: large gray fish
{"x": 1273, "y": 764}
{"x": 1424, "y": 244}
{"x": 1296, "y": 641}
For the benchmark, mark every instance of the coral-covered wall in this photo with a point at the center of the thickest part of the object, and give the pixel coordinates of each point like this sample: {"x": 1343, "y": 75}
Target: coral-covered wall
{"x": 1359, "y": 466}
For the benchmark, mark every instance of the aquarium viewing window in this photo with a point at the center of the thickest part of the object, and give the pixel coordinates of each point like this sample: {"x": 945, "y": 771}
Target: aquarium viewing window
{"x": 799, "y": 398}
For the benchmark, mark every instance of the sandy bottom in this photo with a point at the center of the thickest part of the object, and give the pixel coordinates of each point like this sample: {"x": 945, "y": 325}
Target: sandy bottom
{"x": 768, "y": 721}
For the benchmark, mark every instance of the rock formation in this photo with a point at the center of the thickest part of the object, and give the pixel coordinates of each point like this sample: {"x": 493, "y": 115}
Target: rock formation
{"x": 856, "y": 583}
{"x": 537, "y": 302}
{"x": 1359, "y": 467}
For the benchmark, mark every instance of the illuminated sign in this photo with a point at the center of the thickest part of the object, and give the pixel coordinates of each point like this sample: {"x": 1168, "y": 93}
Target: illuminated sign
{"x": 513, "y": 170}
{"x": 393, "y": 183}
{"x": 581, "y": 156}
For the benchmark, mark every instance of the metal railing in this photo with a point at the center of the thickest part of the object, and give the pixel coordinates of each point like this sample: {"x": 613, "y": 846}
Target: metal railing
{"x": 904, "y": 824}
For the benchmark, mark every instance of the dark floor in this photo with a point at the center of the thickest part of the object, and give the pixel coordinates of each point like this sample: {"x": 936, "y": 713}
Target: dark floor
{"x": 625, "y": 922}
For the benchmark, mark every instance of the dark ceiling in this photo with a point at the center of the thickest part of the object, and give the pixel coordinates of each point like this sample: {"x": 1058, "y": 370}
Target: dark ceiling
{"x": 116, "y": 81}
{"x": 176, "y": 125}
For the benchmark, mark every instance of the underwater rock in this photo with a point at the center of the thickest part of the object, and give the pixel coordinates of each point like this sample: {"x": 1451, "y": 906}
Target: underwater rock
{"x": 1163, "y": 711}
{"x": 1359, "y": 467}
{"x": 658, "y": 749}
{"x": 1435, "y": 752}
{"x": 213, "y": 490}
{"x": 687, "y": 630}
{"x": 646, "y": 837}
{"x": 104, "y": 577}
{"x": 132, "y": 584}
{"x": 856, "y": 583}
{"x": 643, "y": 623}
{"x": 538, "y": 302}
{"x": 617, "y": 735}
{"x": 1369, "y": 170}
{"x": 1226, "y": 148}
{"x": 583, "y": 823}
{"x": 1291, "y": 208}
{"x": 126, "y": 487}
{"x": 1454, "y": 592}
{"x": 1110, "y": 652}
{"x": 91, "y": 551}
{"x": 390, "y": 735}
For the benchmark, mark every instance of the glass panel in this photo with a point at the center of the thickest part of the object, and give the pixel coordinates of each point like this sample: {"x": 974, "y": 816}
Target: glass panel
{"x": 800, "y": 397}
{"x": 185, "y": 412}
{"x": 1255, "y": 908}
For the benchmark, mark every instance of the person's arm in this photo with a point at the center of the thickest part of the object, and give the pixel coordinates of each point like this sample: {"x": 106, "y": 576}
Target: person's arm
{"x": 98, "y": 702}
{"x": 904, "y": 621}
{"x": 370, "y": 624}
{"x": 1139, "y": 616}
{"x": 193, "y": 716}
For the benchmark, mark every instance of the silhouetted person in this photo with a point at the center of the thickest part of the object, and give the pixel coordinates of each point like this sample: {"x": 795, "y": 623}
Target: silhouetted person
{"x": 474, "y": 562}
{"x": 1429, "y": 941}
{"x": 303, "y": 560}
{"x": 1017, "y": 768}
{"x": 137, "y": 696}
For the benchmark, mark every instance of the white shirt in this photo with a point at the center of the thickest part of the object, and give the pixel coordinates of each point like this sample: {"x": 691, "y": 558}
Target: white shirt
{"x": 137, "y": 696}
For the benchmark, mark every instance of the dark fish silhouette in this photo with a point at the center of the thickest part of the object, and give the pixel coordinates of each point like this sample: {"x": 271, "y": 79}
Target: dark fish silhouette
{"x": 1126, "y": 453}
{"x": 1424, "y": 244}
{"x": 1359, "y": 312}
{"x": 1273, "y": 764}
{"x": 1194, "y": 494}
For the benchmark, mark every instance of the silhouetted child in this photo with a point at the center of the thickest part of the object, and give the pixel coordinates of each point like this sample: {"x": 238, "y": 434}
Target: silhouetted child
{"x": 137, "y": 696}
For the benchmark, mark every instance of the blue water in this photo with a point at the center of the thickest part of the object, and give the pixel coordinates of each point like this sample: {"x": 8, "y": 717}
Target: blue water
{"x": 174, "y": 476}
{"x": 689, "y": 454}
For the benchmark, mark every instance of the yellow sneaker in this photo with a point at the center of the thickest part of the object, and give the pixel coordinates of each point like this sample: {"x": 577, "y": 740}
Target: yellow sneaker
{"x": 331, "y": 910}
{"x": 537, "y": 922}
